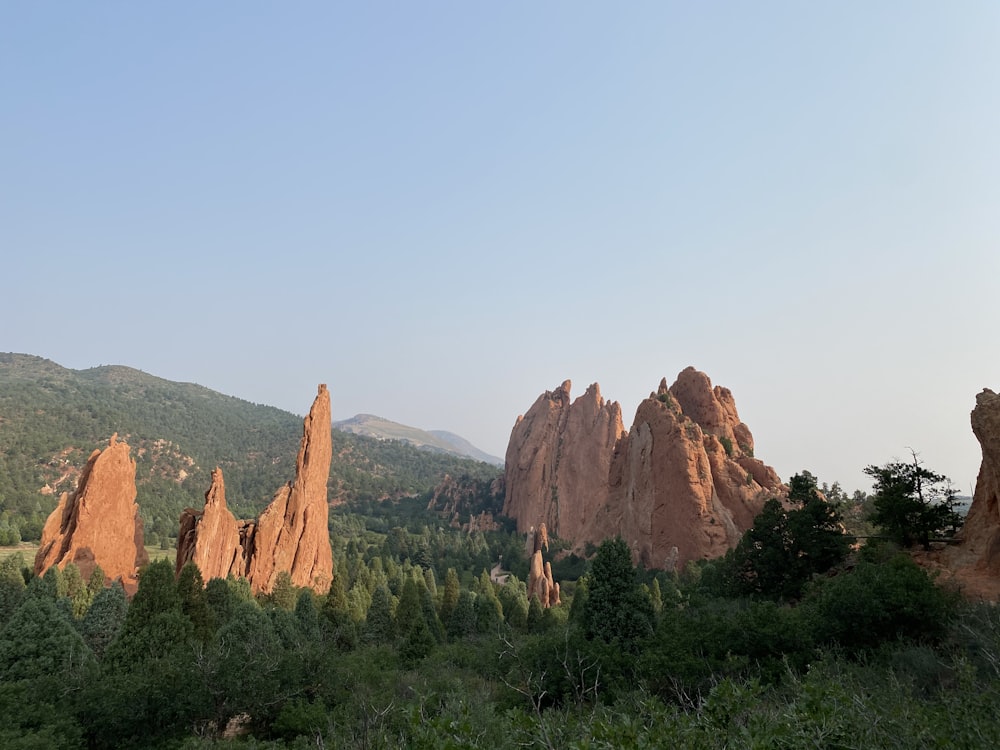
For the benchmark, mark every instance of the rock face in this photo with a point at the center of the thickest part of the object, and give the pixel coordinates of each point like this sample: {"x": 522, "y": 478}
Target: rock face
{"x": 291, "y": 534}
{"x": 981, "y": 531}
{"x": 681, "y": 485}
{"x": 211, "y": 538}
{"x": 558, "y": 460}
{"x": 98, "y": 523}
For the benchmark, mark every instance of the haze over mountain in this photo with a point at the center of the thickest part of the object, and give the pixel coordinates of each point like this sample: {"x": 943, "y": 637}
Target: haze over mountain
{"x": 439, "y": 440}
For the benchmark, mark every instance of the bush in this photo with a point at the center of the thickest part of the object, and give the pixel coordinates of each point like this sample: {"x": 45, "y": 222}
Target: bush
{"x": 876, "y": 603}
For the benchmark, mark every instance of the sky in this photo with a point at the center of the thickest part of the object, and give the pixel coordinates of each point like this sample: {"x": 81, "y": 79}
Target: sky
{"x": 443, "y": 209}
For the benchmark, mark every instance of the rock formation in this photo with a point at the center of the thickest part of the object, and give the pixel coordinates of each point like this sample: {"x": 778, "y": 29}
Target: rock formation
{"x": 98, "y": 523}
{"x": 558, "y": 460}
{"x": 981, "y": 531}
{"x": 973, "y": 564}
{"x": 681, "y": 485}
{"x": 291, "y": 535}
{"x": 210, "y": 538}
{"x": 540, "y": 582}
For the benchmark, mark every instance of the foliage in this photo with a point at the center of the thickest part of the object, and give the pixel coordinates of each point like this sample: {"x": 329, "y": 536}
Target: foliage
{"x": 784, "y": 549}
{"x": 912, "y": 504}
{"x": 616, "y": 609}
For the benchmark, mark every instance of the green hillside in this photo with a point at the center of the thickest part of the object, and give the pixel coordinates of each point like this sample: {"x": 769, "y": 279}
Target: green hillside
{"x": 52, "y": 418}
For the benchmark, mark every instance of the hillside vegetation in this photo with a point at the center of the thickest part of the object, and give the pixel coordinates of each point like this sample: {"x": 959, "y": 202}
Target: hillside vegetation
{"x": 52, "y": 418}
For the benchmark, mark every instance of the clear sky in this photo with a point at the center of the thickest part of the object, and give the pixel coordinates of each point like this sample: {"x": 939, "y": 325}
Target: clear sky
{"x": 442, "y": 209}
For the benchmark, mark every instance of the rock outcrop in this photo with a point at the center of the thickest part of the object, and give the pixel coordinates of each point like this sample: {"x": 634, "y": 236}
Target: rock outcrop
{"x": 210, "y": 538}
{"x": 974, "y": 563}
{"x": 558, "y": 460}
{"x": 291, "y": 534}
{"x": 681, "y": 485}
{"x": 540, "y": 582}
{"x": 981, "y": 531}
{"x": 98, "y": 523}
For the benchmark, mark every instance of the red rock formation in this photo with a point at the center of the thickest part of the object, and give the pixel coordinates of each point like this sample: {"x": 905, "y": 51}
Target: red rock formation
{"x": 540, "y": 582}
{"x": 558, "y": 459}
{"x": 290, "y": 535}
{"x": 98, "y": 523}
{"x": 681, "y": 485}
{"x": 975, "y": 562}
{"x": 211, "y": 538}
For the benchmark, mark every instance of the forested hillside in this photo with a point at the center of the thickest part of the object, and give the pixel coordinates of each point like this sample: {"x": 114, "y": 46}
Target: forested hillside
{"x": 52, "y": 418}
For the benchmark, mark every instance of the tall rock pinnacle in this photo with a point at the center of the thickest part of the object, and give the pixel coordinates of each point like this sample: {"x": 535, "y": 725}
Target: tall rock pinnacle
{"x": 291, "y": 534}
{"x": 211, "y": 538}
{"x": 981, "y": 531}
{"x": 98, "y": 523}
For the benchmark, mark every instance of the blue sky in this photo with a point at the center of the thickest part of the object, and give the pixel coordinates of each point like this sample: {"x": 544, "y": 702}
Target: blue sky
{"x": 442, "y": 209}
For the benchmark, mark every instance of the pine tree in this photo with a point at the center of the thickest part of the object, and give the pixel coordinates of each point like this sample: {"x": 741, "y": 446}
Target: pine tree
{"x": 450, "y": 596}
{"x": 194, "y": 602}
{"x": 379, "y": 627}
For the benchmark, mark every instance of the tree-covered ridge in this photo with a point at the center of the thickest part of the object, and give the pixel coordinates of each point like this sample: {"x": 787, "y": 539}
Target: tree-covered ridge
{"x": 52, "y": 418}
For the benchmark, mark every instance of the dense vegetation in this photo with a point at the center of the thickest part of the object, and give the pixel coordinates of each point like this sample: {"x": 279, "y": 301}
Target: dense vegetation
{"x": 53, "y": 418}
{"x": 415, "y": 646}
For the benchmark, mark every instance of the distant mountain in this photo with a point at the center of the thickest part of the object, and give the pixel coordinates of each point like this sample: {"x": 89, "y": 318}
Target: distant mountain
{"x": 441, "y": 441}
{"x": 52, "y": 418}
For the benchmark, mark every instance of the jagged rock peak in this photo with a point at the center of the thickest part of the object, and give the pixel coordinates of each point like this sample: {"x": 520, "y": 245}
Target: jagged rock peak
{"x": 559, "y": 452}
{"x": 291, "y": 534}
{"x": 712, "y": 409}
{"x": 98, "y": 523}
{"x": 682, "y": 484}
{"x": 211, "y": 538}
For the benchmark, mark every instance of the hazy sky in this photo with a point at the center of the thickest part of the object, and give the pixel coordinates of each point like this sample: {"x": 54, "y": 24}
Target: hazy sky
{"x": 442, "y": 209}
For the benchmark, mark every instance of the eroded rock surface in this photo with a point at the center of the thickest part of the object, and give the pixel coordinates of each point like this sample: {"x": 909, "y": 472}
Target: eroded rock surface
{"x": 558, "y": 460}
{"x": 210, "y": 538}
{"x": 98, "y": 523}
{"x": 681, "y": 485}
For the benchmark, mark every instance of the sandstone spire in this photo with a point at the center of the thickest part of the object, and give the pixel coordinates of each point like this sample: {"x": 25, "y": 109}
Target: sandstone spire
{"x": 211, "y": 538}
{"x": 292, "y": 532}
{"x": 981, "y": 532}
{"x": 98, "y": 523}
{"x": 290, "y": 535}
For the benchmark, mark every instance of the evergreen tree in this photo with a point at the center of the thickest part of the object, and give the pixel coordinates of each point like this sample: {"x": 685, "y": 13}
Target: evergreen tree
{"x": 12, "y": 586}
{"x": 284, "y": 594}
{"x": 616, "y": 609}
{"x": 194, "y": 602}
{"x": 154, "y": 626}
{"x": 104, "y": 618}
{"x": 379, "y": 627}
{"x": 39, "y": 641}
{"x": 450, "y": 596}
{"x": 339, "y": 626}
{"x": 912, "y": 504}
{"x": 462, "y": 622}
